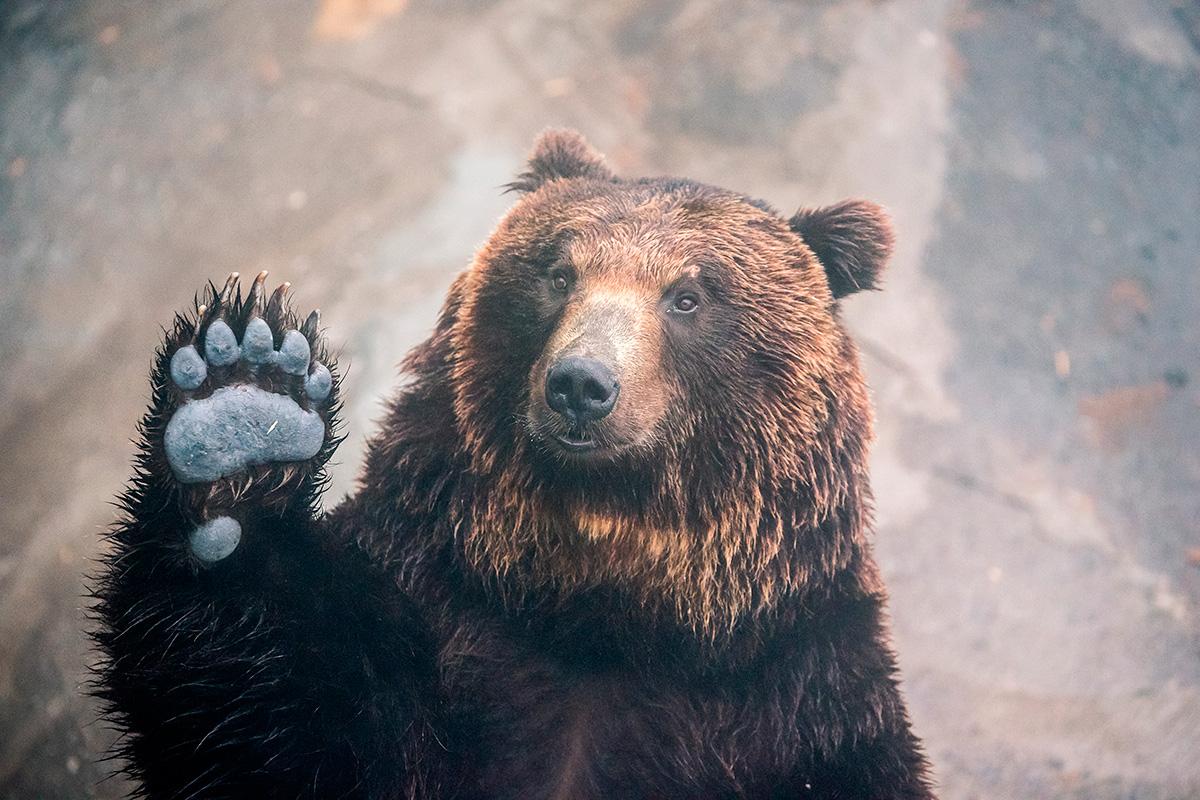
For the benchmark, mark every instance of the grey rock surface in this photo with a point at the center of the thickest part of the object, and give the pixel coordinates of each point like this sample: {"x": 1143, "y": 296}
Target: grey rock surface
{"x": 1034, "y": 356}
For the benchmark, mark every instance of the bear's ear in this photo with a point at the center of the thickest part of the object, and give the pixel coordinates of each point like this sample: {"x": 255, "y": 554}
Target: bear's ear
{"x": 852, "y": 239}
{"x": 560, "y": 154}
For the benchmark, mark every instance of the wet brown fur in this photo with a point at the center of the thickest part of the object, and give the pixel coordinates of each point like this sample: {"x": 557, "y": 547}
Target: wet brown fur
{"x": 693, "y": 613}
{"x": 732, "y": 522}
{"x": 751, "y": 489}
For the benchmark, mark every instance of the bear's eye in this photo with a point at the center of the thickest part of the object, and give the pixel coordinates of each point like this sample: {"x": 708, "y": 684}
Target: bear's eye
{"x": 685, "y": 303}
{"x": 560, "y": 280}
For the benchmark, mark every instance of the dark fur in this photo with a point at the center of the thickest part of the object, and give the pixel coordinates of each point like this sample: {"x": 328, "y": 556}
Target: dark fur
{"x": 457, "y": 630}
{"x": 852, "y": 239}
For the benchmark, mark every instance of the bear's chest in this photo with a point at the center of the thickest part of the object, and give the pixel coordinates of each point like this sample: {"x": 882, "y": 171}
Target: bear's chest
{"x": 526, "y": 727}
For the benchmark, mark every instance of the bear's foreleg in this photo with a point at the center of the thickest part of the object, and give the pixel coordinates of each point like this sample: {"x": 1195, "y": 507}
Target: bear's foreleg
{"x": 250, "y": 651}
{"x": 851, "y": 709}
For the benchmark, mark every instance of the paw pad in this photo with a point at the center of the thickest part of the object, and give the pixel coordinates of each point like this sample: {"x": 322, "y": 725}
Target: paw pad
{"x": 258, "y": 343}
{"x": 188, "y": 369}
{"x": 243, "y": 425}
{"x": 220, "y": 345}
{"x": 293, "y": 353}
{"x": 319, "y": 383}
{"x": 215, "y": 539}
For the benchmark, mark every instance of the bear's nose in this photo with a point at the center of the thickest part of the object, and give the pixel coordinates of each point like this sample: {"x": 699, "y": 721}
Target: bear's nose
{"x": 581, "y": 389}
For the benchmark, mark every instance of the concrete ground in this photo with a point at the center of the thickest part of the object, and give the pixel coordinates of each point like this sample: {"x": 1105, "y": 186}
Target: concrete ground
{"x": 1035, "y": 355}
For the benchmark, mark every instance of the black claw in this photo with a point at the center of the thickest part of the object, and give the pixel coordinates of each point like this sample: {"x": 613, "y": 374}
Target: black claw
{"x": 226, "y": 296}
{"x": 201, "y": 315}
{"x": 275, "y": 306}
{"x": 254, "y": 298}
{"x": 309, "y": 328}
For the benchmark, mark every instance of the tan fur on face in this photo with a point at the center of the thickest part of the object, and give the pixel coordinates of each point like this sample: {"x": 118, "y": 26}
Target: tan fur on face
{"x": 617, "y": 324}
{"x": 707, "y": 576}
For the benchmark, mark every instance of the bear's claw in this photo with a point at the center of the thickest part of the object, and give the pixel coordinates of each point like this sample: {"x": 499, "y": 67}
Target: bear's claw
{"x": 275, "y": 304}
{"x": 256, "y": 290}
{"x": 226, "y": 296}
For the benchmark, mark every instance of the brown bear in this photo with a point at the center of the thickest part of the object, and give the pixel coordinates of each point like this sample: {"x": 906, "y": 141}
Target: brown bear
{"x": 610, "y": 542}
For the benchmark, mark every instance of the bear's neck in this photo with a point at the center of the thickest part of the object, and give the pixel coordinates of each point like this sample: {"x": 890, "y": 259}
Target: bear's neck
{"x": 707, "y": 564}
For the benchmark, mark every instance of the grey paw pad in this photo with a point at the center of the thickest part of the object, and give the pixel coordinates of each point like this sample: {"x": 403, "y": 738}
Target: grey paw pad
{"x": 238, "y": 427}
{"x": 257, "y": 348}
{"x": 318, "y": 385}
{"x": 258, "y": 343}
{"x": 220, "y": 345}
{"x": 294, "y": 353}
{"x": 215, "y": 539}
{"x": 188, "y": 369}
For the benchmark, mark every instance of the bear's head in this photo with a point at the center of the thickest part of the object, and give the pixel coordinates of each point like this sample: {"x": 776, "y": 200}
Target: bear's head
{"x": 653, "y": 388}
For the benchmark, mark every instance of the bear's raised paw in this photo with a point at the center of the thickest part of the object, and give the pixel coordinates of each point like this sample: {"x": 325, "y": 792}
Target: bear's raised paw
{"x": 250, "y": 401}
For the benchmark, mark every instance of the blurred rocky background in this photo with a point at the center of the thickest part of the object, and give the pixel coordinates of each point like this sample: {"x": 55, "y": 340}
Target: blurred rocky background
{"x": 1035, "y": 355}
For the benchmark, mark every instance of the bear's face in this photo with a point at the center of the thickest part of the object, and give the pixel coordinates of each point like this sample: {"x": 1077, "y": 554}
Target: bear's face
{"x": 656, "y": 363}
{"x": 660, "y": 314}
{"x": 615, "y": 321}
